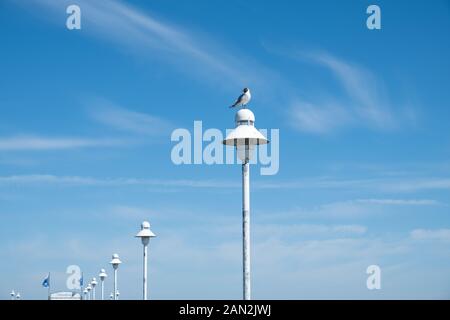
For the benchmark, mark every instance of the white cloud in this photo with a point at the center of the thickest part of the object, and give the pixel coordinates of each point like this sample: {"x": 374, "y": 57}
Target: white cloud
{"x": 363, "y": 87}
{"x": 146, "y": 35}
{"x": 421, "y": 184}
{"x": 47, "y": 178}
{"x": 128, "y": 120}
{"x": 366, "y": 103}
{"x": 436, "y": 234}
{"x": 285, "y": 269}
{"x": 405, "y": 185}
{"x": 400, "y": 202}
{"x": 51, "y": 143}
{"x": 348, "y": 209}
{"x": 263, "y": 231}
{"x": 317, "y": 119}
{"x": 112, "y": 182}
{"x": 103, "y": 112}
{"x": 143, "y": 34}
{"x": 339, "y": 209}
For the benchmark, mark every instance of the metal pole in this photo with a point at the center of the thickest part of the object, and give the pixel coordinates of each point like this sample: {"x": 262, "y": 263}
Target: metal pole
{"x": 145, "y": 272}
{"x": 246, "y": 228}
{"x": 115, "y": 284}
{"x": 103, "y": 289}
{"x": 93, "y": 293}
{"x": 48, "y": 289}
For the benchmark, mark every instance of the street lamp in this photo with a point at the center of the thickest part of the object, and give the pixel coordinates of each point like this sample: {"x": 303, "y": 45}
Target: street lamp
{"x": 93, "y": 284}
{"x": 18, "y": 296}
{"x": 145, "y": 234}
{"x": 111, "y": 296}
{"x": 88, "y": 288}
{"x": 85, "y": 292}
{"x": 245, "y": 137}
{"x": 12, "y": 294}
{"x": 117, "y": 294}
{"x": 115, "y": 264}
{"x": 102, "y": 275}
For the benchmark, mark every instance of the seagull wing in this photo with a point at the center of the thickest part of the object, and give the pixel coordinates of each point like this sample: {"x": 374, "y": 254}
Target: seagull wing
{"x": 238, "y": 101}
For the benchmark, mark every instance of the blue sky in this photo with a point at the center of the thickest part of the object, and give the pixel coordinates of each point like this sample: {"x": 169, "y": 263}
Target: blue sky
{"x": 85, "y": 123}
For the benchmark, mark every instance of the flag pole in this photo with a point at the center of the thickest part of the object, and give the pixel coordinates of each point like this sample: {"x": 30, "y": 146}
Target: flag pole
{"x": 48, "y": 292}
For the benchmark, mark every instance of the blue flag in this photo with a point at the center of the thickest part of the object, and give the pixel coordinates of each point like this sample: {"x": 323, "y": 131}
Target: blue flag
{"x": 46, "y": 282}
{"x": 81, "y": 280}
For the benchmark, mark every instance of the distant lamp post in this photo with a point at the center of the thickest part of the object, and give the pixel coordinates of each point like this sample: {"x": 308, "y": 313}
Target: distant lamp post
{"x": 111, "y": 296}
{"x": 93, "y": 284}
{"x": 245, "y": 137}
{"x": 117, "y": 295}
{"x": 115, "y": 264}
{"x": 85, "y": 292}
{"x": 18, "y": 296}
{"x": 145, "y": 234}
{"x": 102, "y": 275}
{"x": 12, "y": 294}
{"x": 88, "y": 288}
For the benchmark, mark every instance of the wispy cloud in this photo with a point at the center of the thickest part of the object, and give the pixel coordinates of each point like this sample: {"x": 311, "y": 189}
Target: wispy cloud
{"x": 363, "y": 87}
{"x": 103, "y": 112}
{"x": 366, "y": 103}
{"x": 313, "y": 118}
{"x": 388, "y": 185}
{"x": 142, "y": 33}
{"x": 112, "y": 182}
{"x": 433, "y": 234}
{"x": 127, "y": 120}
{"x": 353, "y": 208}
{"x": 22, "y": 142}
{"x": 403, "y": 184}
{"x": 264, "y": 231}
{"x": 303, "y": 268}
{"x": 400, "y": 202}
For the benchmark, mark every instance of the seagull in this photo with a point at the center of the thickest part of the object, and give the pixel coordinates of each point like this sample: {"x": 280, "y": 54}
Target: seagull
{"x": 243, "y": 99}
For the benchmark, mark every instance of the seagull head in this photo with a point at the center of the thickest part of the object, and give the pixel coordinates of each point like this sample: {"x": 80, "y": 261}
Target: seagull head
{"x": 246, "y": 90}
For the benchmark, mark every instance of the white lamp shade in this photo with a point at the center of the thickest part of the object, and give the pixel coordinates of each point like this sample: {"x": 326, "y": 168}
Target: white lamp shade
{"x": 145, "y": 231}
{"x": 245, "y": 136}
{"x": 115, "y": 260}
{"x": 245, "y": 132}
{"x": 102, "y": 274}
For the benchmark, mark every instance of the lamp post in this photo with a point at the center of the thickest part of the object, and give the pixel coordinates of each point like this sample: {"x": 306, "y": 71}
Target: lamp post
{"x": 117, "y": 295}
{"x": 111, "y": 296}
{"x": 145, "y": 234}
{"x": 88, "y": 288}
{"x": 12, "y": 294}
{"x": 93, "y": 284}
{"x": 115, "y": 264}
{"x": 85, "y": 292}
{"x": 245, "y": 137}
{"x": 102, "y": 275}
{"x": 18, "y": 296}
